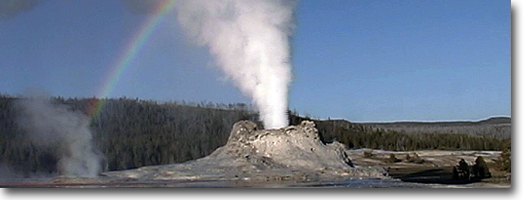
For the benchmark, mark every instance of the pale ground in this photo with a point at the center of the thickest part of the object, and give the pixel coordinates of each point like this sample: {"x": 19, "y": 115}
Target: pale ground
{"x": 436, "y": 158}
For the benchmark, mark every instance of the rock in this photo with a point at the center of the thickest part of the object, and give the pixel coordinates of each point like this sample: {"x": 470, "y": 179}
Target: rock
{"x": 291, "y": 153}
{"x": 294, "y": 147}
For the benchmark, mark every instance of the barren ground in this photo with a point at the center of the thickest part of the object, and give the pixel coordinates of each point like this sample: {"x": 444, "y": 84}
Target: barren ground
{"x": 432, "y": 166}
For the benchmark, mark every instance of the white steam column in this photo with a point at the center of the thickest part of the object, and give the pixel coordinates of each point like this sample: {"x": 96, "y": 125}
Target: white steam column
{"x": 250, "y": 40}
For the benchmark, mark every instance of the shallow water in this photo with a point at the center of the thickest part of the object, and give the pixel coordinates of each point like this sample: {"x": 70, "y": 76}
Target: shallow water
{"x": 369, "y": 183}
{"x": 97, "y": 183}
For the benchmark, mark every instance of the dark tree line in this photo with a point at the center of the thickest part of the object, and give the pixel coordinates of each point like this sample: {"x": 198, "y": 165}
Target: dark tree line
{"x": 498, "y": 127}
{"x": 141, "y": 133}
{"x": 131, "y": 133}
{"x": 356, "y": 136}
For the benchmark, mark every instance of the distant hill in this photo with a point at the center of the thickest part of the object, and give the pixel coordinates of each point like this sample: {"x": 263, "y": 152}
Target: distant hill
{"x": 498, "y": 127}
{"x": 492, "y": 120}
{"x": 497, "y": 120}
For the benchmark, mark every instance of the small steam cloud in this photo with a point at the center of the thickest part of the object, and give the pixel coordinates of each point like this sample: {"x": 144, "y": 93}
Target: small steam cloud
{"x": 142, "y": 7}
{"x": 250, "y": 40}
{"x": 67, "y": 133}
{"x": 11, "y": 8}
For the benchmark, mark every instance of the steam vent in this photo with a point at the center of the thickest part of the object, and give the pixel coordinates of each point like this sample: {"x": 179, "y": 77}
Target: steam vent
{"x": 291, "y": 153}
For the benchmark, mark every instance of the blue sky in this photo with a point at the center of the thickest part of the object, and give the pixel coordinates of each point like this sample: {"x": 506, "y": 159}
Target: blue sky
{"x": 358, "y": 60}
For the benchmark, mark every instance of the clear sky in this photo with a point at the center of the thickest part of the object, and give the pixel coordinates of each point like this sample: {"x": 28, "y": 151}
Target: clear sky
{"x": 359, "y": 60}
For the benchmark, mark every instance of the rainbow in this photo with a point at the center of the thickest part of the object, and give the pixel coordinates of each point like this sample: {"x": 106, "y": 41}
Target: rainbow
{"x": 130, "y": 52}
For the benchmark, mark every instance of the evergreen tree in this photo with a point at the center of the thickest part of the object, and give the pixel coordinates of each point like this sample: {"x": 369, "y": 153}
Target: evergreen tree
{"x": 480, "y": 168}
{"x": 503, "y": 162}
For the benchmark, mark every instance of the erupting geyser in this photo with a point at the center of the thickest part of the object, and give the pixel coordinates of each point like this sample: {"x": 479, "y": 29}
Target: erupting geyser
{"x": 250, "y": 40}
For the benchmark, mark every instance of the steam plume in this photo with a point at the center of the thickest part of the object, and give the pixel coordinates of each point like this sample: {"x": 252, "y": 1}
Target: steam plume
{"x": 250, "y": 40}
{"x": 62, "y": 130}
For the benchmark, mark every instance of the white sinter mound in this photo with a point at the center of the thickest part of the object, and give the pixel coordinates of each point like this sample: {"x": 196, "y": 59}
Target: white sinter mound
{"x": 290, "y": 153}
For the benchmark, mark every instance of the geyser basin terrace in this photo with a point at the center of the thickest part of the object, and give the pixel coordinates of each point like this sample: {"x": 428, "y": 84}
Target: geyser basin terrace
{"x": 290, "y": 153}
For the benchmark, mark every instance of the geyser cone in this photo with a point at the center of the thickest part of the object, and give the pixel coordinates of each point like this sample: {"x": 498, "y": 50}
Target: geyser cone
{"x": 294, "y": 152}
